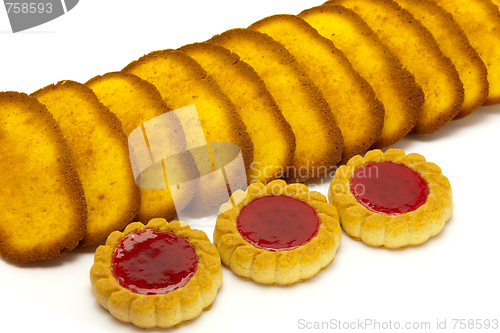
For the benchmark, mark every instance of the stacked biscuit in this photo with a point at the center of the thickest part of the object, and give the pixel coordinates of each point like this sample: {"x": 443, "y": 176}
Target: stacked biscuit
{"x": 299, "y": 94}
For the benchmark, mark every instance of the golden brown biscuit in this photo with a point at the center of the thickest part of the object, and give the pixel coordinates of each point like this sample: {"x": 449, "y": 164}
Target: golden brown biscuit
{"x": 272, "y": 137}
{"x": 100, "y": 154}
{"x": 135, "y": 101}
{"x": 419, "y": 52}
{"x": 318, "y": 140}
{"x": 186, "y": 284}
{"x": 351, "y": 99}
{"x": 480, "y": 20}
{"x": 455, "y": 45}
{"x": 394, "y": 86}
{"x": 391, "y": 199}
{"x": 42, "y": 204}
{"x": 277, "y": 233}
{"x": 182, "y": 82}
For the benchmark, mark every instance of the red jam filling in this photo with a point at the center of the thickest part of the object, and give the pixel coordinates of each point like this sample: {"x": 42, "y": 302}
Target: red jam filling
{"x": 389, "y": 188}
{"x": 153, "y": 262}
{"x": 277, "y": 223}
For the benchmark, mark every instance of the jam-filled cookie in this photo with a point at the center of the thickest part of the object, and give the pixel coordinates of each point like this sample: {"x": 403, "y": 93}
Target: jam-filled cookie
{"x": 391, "y": 199}
{"x": 277, "y": 233}
{"x": 156, "y": 275}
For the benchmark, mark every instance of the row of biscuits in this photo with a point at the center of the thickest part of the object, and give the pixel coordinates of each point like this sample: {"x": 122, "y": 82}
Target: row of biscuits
{"x": 298, "y": 94}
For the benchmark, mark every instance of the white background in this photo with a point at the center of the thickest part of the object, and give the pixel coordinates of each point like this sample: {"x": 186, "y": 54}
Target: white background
{"x": 453, "y": 276}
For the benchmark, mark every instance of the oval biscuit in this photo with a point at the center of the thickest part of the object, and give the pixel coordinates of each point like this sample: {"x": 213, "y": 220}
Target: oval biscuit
{"x": 394, "y": 86}
{"x": 100, "y": 152}
{"x": 419, "y": 52}
{"x": 350, "y": 97}
{"x": 455, "y": 45}
{"x": 480, "y": 20}
{"x": 181, "y": 82}
{"x": 135, "y": 101}
{"x": 272, "y": 137}
{"x": 318, "y": 140}
{"x": 42, "y": 204}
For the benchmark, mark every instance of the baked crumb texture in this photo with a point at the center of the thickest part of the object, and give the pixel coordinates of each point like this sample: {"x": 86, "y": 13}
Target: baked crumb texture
{"x": 419, "y": 52}
{"x": 319, "y": 142}
{"x": 135, "y": 101}
{"x": 167, "y": 310}
{"x": 350, "y": 97}
{"x": 392, "y": 231}
{"x": 280, "y": 267}
{"x": 272, "y": 136}
{"x": 181, "y": 82}
{"x": 454, "y": 43}
{"x": 394, "y": 85}
{"x": 100, "y": 154}
{"x": 480, "y": 21}
{"x": 298, "y": 94}
{"x": 43, "y": 211}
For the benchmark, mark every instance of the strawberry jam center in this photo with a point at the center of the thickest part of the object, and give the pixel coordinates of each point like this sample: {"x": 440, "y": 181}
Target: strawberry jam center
{"x": 153, "y": 262}
{"x": 389, "y": 188}
{"x": 277, "y": 223}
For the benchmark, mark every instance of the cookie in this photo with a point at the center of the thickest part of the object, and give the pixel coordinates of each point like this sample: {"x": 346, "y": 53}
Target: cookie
{"x": 351, "y": 99}
{"x": 277, "y": 233}
{"x": 99, "y": 150}
{"x": 156, "y": 275}
{"x": 391, "y": 199}
{"x": 42, "y": 203}
{"x": 182, "y": 82}
{"x": 272, "y": 137}
{"x": 480, "y": 20}
{"x": 418, "y": 52}
{"x": 135, "y": 101}
{"x": 394, "y": 86}
{"x": 455, "y": 45}
{"x": 318, "y": 140}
